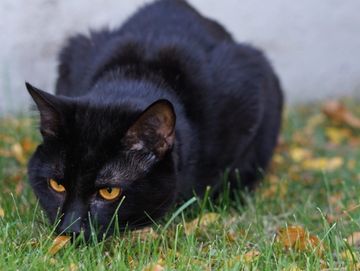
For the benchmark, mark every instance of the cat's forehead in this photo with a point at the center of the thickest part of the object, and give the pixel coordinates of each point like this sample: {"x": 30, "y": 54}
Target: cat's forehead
{"x": 95, "y": 144}
{"x": 99, "y": 125}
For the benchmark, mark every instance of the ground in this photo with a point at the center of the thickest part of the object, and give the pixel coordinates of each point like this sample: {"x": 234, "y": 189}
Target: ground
{"x": 304, "y": 216}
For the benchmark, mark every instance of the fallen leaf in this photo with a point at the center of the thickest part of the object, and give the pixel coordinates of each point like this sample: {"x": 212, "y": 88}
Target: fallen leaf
{"x": 19, "y": 188}
{"x": 337, "y": 112}
{"x": 58, "y": 243}
{"x": 6, "y": 139}
{"x": 251, "y": 256}
{"x": 354, "y": 239}
{"x": 18, "y": 152}
{"x": 2, "y": 212}
{"x": 53, "y": 261}
{"x": 299, "y": 154}
{"x": 329, "y": 164}
{"x": 337, "y": 135}
{"x": 73, "y": 267}
{"x": 28, "y": 145}
{"x": 204, "y": 221}
{"x": 231, "y": 236}
{"x": 144, "y": 234}
{"x": 153, "y": 267}
{"x": 278, "y": 159}
{"x": 292, "y": 267}
{"x": 5, "y": 153}
{"x": 296, "y": 237}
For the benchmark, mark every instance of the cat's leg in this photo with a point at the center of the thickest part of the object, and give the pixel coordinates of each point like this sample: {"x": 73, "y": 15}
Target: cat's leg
{"x": 246, "y": 78}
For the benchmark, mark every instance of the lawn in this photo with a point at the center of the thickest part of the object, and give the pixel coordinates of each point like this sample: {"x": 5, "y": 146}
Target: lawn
{"x": 304, "y": 216}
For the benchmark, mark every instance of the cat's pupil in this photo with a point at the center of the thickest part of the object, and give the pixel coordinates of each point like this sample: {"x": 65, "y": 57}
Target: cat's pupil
{"x": 109, "y": 189}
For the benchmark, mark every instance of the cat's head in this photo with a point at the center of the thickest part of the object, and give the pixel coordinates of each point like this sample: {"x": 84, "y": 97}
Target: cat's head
{"x": 96, "y": 161}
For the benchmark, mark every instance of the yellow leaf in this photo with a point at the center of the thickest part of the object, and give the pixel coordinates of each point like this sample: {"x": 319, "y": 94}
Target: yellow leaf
{"x": 73, "y": 267}
{"x": 53, "y": 261}
{"x": 329, "y": 164}
{"x": 18, "y": 153}
{"x": 205, "y": 220}
{"x": 292, "y": 267}
{"x": 58, "y": 243}
{"x": 337, "y": 135}
{"x": 2, "y": 212}
{"x": 278, "y": 158}
{"x": 299, "y": 154}
{"x": 153, "y": 267}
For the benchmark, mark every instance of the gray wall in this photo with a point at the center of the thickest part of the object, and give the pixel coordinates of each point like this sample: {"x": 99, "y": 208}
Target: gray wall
{"x": 313, "y": 44}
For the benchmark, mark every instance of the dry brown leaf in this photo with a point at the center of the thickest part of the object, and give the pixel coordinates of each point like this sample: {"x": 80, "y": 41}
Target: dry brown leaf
{"x": 58, "y": 243}
{"x": 19, "y": 188}
{"x": 337, "y": 112}
{"x": 354, "y": 239}
{"x": 153, "y": 267}
{"x": 28, "y": 145}
{"x": 231, "y": 236}
{"x": 298, "y": 238}
{"x": 205, "y": 220}
{"x": 2, "y": 212}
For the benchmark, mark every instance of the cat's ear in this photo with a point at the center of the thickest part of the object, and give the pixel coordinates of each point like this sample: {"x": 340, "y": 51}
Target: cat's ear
{"x": 50, "y": 116}
{"x": 153, "y": 130}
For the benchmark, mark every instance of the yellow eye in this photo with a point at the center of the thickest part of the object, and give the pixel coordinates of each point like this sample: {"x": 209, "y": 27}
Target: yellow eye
{"x": 56, "y": 186}
{"x": 110, "y": 193}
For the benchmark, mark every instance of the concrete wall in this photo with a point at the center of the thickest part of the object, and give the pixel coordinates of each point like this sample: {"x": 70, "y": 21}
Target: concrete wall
{"x": 313, "y": 44}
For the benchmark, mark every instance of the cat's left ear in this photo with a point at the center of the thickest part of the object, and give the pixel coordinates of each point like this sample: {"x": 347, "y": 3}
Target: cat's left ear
{"x": 154, "y": 129}
{"x": 48, "y": 106}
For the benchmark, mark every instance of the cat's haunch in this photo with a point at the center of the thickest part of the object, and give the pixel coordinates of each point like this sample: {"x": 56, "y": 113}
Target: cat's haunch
{"x": 149, "y": 114}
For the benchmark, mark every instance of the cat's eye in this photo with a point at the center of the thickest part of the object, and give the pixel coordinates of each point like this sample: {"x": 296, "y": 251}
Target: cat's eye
{"x": 56, "y": 186}
{"x": 110, "y": 193}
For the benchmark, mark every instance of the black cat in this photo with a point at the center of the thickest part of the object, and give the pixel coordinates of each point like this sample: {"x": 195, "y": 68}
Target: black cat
{"x": 148, "y": 114}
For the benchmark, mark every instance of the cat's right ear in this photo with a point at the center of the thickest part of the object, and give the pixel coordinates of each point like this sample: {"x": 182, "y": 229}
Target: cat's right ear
{"x": 154, "y": 129}
{"x": 47, "y": 105}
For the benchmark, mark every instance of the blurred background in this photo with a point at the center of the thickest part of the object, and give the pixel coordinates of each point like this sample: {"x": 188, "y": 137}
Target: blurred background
{"x": 313, "y": 45}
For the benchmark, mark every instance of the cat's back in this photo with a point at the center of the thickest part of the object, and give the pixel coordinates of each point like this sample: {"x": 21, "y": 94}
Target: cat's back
{"x": 160, "y": 24}
{"x": 174, "y": 19}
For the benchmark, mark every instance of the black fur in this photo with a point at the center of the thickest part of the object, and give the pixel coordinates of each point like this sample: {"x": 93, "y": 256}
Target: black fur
{"x": 226, "y": 98}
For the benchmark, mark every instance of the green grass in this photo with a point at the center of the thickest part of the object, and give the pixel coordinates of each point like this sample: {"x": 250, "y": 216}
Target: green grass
{"x": 322, "y": 201}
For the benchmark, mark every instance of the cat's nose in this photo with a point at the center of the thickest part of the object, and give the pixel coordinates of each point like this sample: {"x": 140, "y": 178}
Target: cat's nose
{"x": 72, "y": 220}
{"x": 70, "y": 225}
